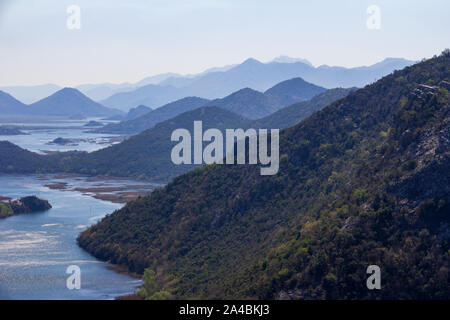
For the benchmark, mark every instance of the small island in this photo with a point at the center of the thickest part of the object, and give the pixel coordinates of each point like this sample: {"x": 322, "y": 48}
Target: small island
{"x": 64, "y": 142}
{"x": 28, "y": 204}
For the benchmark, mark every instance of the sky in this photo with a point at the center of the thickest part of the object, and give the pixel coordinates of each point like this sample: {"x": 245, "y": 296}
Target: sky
{"x": 127, "y": 40}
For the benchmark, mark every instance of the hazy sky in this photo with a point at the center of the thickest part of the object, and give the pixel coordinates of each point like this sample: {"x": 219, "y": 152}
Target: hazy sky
{"x": 125, "y": 41}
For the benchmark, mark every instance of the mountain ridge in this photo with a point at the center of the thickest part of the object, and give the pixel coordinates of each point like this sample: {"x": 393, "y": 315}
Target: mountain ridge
{"x": 68, "y": 102}
{"x": 257, "y": 76}
{"x": 336, "y": 206}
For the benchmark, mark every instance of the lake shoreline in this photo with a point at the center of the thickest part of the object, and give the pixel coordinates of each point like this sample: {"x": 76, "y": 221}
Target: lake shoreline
{"x": 44, "y": 236}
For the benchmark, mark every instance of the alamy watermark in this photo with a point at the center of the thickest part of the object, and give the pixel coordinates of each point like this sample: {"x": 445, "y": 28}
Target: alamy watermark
{"x": 74, "y": 280}
{"x": 374, "y": 281}
{"x": 73, "y": 21}
{"x": 214, "y": 151}
{"x": 374, "y": 20}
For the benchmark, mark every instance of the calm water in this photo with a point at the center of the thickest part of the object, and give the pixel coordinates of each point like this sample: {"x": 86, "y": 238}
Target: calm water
{"x": 36, "y": 249}
{"x": 39, "y": 134}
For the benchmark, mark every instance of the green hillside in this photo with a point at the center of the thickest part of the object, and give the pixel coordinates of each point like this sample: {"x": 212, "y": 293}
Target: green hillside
{"x": 363, "y": 182}
{"x": 293, "y": 114}
{"x": 147, "y": 155}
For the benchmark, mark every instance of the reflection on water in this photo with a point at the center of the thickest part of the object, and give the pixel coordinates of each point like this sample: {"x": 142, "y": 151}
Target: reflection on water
{"x": 36, "y": 249}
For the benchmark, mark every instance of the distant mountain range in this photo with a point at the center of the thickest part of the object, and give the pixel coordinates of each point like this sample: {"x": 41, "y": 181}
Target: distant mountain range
{"x": 252, "y": 104}
{"x": 150, "y": 95}
{"x": 255, "y": 75}
{"x": 67, "y": 102}
{"x": 137, "y": 112}
{"x": 247, "y": 102}
{"x": 154, "y": 117}
{"x": 294, "y": 90}
{"x": 217, "y": 82}
{"x": 31, "y": 94}
{"x": 147, "y": 154}
{"x": 10, "y": 105}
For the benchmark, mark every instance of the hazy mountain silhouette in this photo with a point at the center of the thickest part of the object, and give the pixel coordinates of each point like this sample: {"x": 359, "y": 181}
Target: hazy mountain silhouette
{"x": 255, "y": 75}
{"x": 286, "y": 59}
{"x": 247, "y": 102}
{"x": 69, "y": 102}
{"x": 137, "y": 112}
{"x": 10, "y": 105}
{"x": 30, "y": 94}
{"x": 154, "y": 117}
{"x": 294, "y": 90}
{"x": 217, "y": 82}
{"x": 150, "y": 95}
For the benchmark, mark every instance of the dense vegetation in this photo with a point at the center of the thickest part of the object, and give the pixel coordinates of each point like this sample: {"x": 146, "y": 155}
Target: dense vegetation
{"x": 5, "y": 210}
{"x": 28, "y": 204}
{"x": 364, "y": 181}
{"x": 147, "y": 155}
{"x": 249, "y": 103}
{"x": 293, "y": 114}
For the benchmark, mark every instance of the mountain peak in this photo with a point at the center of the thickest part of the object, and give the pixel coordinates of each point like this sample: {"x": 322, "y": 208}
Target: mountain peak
{"x": 287, "y": 59}
{"x": 69, "y": 90}
{"x": 70, "y": 101}
{"x": 245, "y": 90}
{"x": 251, "y": 61}
{"x": 10, "y": 105}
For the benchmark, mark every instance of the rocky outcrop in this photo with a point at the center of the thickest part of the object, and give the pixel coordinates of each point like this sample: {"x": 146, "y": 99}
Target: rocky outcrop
{"x": 29, "y": 205}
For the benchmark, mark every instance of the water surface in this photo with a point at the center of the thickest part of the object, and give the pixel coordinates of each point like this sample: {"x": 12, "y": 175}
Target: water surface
{"x": 36, "y": 249}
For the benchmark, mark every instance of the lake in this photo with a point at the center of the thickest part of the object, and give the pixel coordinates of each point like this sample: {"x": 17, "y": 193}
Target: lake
{"x": 36, "y": 249}
{"x": 40, "y": 134}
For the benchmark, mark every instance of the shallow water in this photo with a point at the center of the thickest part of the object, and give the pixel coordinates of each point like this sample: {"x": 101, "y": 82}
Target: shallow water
{"x": 36, "y": 249}
{"x": 40, "y": 134}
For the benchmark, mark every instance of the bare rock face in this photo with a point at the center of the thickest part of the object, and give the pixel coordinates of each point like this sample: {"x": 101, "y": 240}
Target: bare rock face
{"x": 29, "y": 204}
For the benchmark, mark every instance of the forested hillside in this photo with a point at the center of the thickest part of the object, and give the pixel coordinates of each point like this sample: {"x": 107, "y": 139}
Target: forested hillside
{"x": 146, "y": 156}
{"x": 363, "y": 182}
{"x": 293, "y": 114}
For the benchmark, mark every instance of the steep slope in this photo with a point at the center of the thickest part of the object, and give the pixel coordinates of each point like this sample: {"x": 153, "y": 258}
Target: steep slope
{"x": 156, "y": 116}
{"x": 31, "y": 94}
{"x": 69, "y": 102}
{"x": 293, "y": 114}
{"x": 10, "y": 105}
{"x": 14, "y": 159}
{"x": 130, "y": 163}
{"x": 102, "y": 91}
{"x": 246, "y": 102}
{"x": 362, "y": 182}
{"x": 137, "y": 112}
{"x": 147, "y": 155}
{"x": 249, "y": 103}
{"x": 294, "y": 90}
